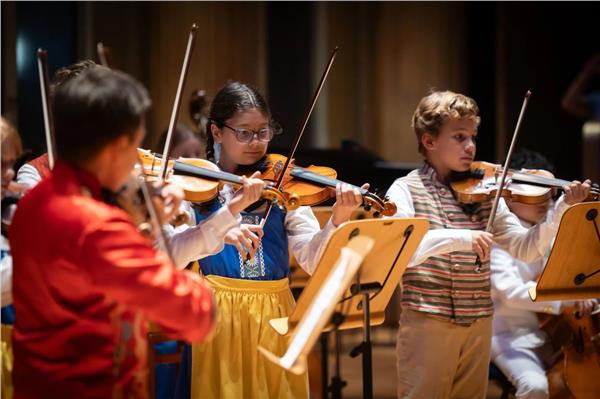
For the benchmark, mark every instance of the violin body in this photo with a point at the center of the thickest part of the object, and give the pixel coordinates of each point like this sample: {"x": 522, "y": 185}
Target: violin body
{"x": 194, "y": 189}
{"x": 311, "y": 194}
{"x": 271, "y": 168}
{"x": 482, "y": 185}
{"x": 197, "y": 189}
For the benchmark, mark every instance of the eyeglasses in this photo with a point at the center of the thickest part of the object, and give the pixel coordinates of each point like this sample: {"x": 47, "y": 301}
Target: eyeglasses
{"x": 247, "y": 135}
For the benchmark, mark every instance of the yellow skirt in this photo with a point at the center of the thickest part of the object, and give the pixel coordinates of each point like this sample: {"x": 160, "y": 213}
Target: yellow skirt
{"x": 7, "y": 362}
{"x": 229, "y": 365}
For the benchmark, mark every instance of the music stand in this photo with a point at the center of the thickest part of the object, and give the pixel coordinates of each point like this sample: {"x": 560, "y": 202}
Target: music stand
{"x": 573, "y": 267}
{"x": 365, "y": 299}
{"x": 320, "y": 310}
{"x": 298, "y": 280}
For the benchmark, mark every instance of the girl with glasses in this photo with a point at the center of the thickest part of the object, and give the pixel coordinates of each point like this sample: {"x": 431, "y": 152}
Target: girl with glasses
{"x": 250, "y": 275}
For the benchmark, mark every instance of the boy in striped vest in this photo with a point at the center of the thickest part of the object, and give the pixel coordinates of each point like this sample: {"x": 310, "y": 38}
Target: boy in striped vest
{"x": 443, "y": 346}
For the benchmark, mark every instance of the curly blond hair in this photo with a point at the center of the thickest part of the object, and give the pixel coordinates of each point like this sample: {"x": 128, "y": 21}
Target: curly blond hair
{"x": 438, "y": 107}
{"x": 9, "y": 136}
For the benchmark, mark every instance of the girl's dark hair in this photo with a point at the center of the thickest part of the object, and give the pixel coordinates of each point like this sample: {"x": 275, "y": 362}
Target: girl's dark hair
{"x": 230, "y": 99}
{"x": 93, "y": 108}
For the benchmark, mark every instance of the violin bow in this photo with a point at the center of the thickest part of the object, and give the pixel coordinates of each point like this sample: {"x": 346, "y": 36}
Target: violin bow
{"x": 298, "y": 137}
{"x": 492, "y": 216}
{"x": 42, "y": 61}
{"x": 175, "y": 111}
{"x": 145, "y": 188}
{"x": 103, "y": 54}
{"x": 165, "y": 154}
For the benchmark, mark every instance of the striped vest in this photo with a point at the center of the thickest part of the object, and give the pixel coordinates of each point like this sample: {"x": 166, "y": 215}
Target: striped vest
{"x": 447, "y": 285}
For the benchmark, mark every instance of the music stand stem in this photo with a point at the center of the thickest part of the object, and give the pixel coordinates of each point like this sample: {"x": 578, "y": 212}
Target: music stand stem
{"x": 367, "y": 355}
{"x": 324, "y": 341}
{"x": 336, "y": 380}
{"x": 366, "y": 347}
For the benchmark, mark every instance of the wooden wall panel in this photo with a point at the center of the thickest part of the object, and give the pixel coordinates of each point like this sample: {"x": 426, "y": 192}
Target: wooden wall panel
{"x": 230, "y": 45}
{"x": 392, "y": 55}
{"x": 148, "y": 41}
{"x": 344, "y": 90}
{"x": 418, "y": 48}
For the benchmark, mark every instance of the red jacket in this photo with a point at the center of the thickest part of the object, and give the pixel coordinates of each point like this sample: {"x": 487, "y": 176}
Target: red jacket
{"x": 85, "y": 284}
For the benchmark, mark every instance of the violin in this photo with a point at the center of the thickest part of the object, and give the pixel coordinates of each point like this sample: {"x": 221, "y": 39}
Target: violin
{"x": 132, "y": 200}
{"x": 481, "y": 183}
{"x": 574, "y": 373}
{"x": 201, "y": 179}
{"x": 316, "y": 184}
{"x": 150, "y": 161}
{"x": 202, "y": 176}
{"x": 9, "y": 203}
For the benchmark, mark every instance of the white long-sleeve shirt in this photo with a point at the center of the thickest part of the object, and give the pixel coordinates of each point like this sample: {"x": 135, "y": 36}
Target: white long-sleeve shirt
{"x": 306, "y": 239}
{"x": 5, "y": 272}
{"x": 525, "y": 244}
{"x": 513, "y": 308}
{"x": 190, "y": 242}
{"x": 28, "y": 176}
{"x": 515, "y": 323}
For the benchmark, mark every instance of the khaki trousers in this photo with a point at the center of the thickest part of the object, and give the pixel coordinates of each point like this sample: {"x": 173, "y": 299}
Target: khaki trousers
{"x": 437, "y": 359}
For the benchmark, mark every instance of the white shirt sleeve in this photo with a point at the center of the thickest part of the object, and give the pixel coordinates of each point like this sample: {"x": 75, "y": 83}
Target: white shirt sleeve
{"x": 6, "y": 273}
{"x": 28, "y": 176}
{"x": 305, "y": 237}
{"x": 525, "y": 244}
{"x": 511, "y": 288}
{"x": 435, "y": 242}
{"x": 192, "y": 242}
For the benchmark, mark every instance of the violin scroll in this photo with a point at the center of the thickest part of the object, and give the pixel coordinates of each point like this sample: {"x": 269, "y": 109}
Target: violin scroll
{"x": 383, "y": 207}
